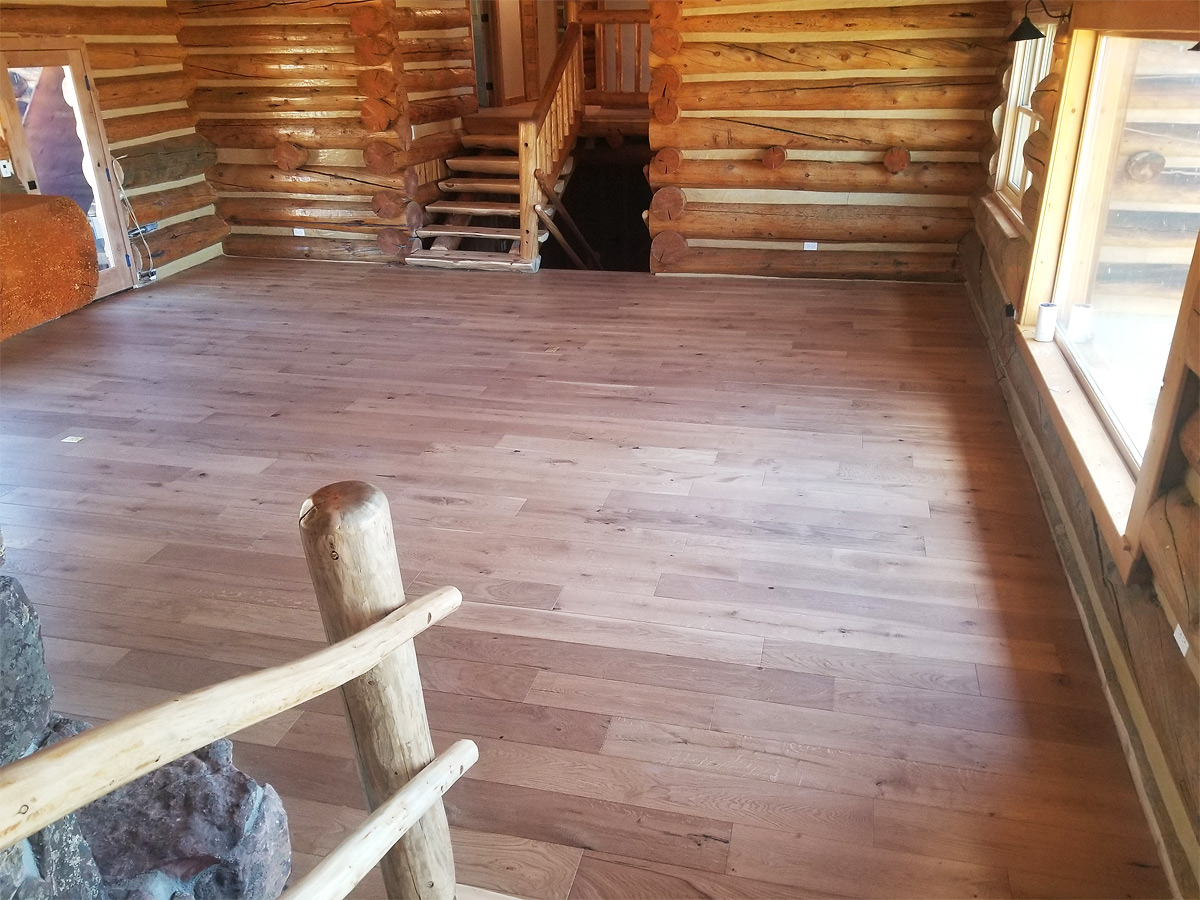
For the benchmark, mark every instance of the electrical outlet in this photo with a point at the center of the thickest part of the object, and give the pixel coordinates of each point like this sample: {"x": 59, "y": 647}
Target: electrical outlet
{"x": 298, "y": 232}
{"x": 810, "y": 245}
{"x": 1180, "y": 639}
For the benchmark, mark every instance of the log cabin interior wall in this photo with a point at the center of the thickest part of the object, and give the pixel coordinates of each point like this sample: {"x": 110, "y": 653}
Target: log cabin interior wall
{"x": 1129, "y": 607}
{"x": 819, "y": 138}
{"x": 138, "y": 66}
{"x": 331, "y": 118}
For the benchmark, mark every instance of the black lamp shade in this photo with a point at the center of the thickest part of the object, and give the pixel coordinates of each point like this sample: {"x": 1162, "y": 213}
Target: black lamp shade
{"x": 1026, "y": 31}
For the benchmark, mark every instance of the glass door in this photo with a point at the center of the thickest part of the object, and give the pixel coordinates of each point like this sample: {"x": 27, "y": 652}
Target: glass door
{"x": 52, "y": 124}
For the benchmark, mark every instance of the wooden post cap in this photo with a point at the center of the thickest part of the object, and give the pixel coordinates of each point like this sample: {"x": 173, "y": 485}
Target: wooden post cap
{"x": 346, "y": 506}
{"x": 896, "y": 159}
{"x": 774, "y": 157}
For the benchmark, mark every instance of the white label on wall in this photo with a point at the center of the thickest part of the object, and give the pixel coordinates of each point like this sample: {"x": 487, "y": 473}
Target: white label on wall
{"x": 810, "y": 245}
{"x": 1181, "y": 639}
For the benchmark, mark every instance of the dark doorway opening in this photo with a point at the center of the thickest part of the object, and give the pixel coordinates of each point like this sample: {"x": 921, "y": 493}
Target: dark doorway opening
{"x": 607, "y": 195}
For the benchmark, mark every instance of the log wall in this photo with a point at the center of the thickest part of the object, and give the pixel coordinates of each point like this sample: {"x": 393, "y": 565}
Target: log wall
{"x": 820, "y": 139}
{"x": 331, "y": 118}
{"x": 138, "y": 66}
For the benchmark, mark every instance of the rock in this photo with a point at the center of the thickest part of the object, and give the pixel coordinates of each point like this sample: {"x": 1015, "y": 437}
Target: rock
{"x": 196, "y": 827}
{"x": 25, "y": 689}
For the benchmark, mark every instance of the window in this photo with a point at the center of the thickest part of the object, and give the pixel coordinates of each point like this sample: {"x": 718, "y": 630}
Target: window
{"x": 1031, "y": 63}
{"x": 1131, "y": 228}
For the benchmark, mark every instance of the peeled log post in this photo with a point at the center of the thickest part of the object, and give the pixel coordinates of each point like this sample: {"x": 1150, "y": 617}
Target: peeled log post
{"x": 289, "y": 156}
{"x": 346, "y": 530}
{"x": 774, "y": 157}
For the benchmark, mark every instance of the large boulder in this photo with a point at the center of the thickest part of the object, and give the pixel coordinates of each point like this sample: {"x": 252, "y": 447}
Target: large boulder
{"x": 196, "y": 827}
{"x": 25, "y": 690}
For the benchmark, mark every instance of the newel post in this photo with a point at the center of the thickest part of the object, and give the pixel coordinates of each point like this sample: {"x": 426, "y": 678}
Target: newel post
{"x": 346, "y": 530}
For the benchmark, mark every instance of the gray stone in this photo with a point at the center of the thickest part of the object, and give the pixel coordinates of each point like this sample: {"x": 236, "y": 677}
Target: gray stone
{"x": 25, "y": 689}
{"x": 209, "y": 830}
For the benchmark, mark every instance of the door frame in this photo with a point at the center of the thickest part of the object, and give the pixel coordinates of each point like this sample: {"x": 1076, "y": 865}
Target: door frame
{"x": 18, "y": 51}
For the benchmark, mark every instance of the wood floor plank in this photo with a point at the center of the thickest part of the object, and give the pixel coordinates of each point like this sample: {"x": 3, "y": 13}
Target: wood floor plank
{"x": 761, "y": 601}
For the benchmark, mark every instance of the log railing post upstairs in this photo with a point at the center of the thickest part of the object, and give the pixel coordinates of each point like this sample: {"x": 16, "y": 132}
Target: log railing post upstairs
{"x": 346, "y": 529}
{"x": 546, "y": 138}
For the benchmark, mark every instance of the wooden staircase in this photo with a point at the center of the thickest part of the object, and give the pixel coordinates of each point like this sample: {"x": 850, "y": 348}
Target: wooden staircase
{"x": 484, "y": 210}
{"x": 497, "y": 193}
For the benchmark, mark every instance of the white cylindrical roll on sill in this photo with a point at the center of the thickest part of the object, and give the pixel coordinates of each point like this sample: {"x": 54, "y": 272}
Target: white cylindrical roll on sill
{"x": 1079, "y": 323}
{"x": 1047, "y": 316}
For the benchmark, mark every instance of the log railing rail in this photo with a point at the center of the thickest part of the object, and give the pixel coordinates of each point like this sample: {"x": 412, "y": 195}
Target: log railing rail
{"x": 546, "y": 138}
{"x": 347, "y": 535}
{"x": 622, "y": 72}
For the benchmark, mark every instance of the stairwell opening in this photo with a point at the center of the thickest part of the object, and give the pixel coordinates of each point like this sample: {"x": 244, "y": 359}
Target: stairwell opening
{"x": 607, "y": 195}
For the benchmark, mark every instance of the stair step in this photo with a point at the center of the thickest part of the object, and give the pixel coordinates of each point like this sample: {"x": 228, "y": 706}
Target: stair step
{"x": 492, "y": 141}
{"x": 471, "y": 259}
{"x": 482, "y": 185}
{"x": 476, "y": 231}
{"x": 488, "y": 165}
{"x": 475, "y": 207}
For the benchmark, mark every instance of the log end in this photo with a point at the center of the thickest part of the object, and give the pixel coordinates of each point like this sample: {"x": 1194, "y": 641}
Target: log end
{"x": 664, "y": 83}
{"x": 665, "y": 42}
{"x": 668, "y": 247}
{"x": 665, "y": 111}
{"x": 668, "y": 203}
{"x": 666, "y": 161}
{"x": 372, "y": 51}
{"x": 378, "y": 115}
{"x": 774, "y": 157}
{"x": 289, "y": 156}
{"x": 388, "y": 204}
{"x": 393, "y": 241}
{"x": 896, "y": 159}
{"x": 368, "y": 20}
{"x": 376, "y": 83}
{"x": 380, "y": 158}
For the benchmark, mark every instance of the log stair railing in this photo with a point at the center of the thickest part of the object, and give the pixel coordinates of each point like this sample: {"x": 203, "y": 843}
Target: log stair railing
{"x": 499, "y": 184}
{"x": 346, "y": 530}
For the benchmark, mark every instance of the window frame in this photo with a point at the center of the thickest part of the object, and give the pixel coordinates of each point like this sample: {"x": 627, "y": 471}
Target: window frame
{"x": 1035, "y": 59}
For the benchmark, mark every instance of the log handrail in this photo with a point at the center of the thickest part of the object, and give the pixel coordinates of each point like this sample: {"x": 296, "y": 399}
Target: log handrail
{"x": 546, "y": 138}
{"x": 352, "y": 558}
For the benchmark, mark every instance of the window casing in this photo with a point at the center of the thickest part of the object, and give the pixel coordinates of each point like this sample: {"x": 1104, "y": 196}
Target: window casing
{"x": 1031, "y": 63}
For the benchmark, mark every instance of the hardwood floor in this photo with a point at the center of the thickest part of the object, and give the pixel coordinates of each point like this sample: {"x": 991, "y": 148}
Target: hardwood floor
{"x": 760, "y": 599}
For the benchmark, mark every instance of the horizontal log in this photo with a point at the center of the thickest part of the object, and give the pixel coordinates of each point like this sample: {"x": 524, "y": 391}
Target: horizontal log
{"x": 771, "y": 221}
{"x": 422, "y": 112}
{"x": 1171, "y": 534}
{"x": 419, "y": 80}
{"x": 315, "y": 134}
{"x": 819, "y": 175}
{"x": 384, "y": 159}
{"x": 289, "y": 156}
{"x": 174, "y": 242}
{"x": 907, "y": 93}
{"x": 160, "y": 205}
{"x": 897, "y": 20}
{"x": 614, "y": 17}
{"x": 431, "y": 19}
{"x": 57, "y": 21}
{"x": 275, "y": 99}
{"x": 168, "y": 160}
{"x": 434, "y": 49}
{"x": 103, "y": 56}
{"x": 284, "y": 66}
{"x": 1177, "y": 91}
{"x": 129, "y": 91}
{"x": 278, "y": 246}
{"x": 285, "y": 212}
{"x": 751, "y": 133}
{"x": 1172, "y": 142}
{"x": 284, "y": 34}
{"x": 812, "y": 264}
{"x": 144, "y": 125}
{"x": 329, "y": 181}
{"x": 189, "y": 10}
{"x": 898, "y": 55}
{"x": 615, "y": 99}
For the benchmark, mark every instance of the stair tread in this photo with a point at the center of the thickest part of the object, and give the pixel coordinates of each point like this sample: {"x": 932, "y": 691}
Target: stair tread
{"x": 491, "y": 141}
{"x": 504, "y": 165}
{"x": 471, "y": 259}
{"x": 476, "y": 231}
{"x": 482, "y": 185}
{"x": 475, "y": 207}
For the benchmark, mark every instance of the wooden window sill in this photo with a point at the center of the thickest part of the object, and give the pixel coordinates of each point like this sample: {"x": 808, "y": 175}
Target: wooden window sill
{"x": 1100, "y": 468}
